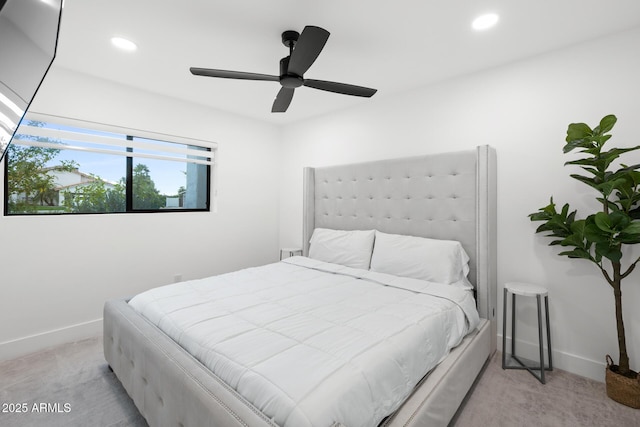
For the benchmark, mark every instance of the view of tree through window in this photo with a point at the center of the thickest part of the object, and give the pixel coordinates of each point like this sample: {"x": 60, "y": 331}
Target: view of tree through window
{"x": 51, "y": 175}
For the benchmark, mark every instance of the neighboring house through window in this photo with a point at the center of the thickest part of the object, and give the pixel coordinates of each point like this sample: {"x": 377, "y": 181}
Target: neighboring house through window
{"x": 66, "y": 184}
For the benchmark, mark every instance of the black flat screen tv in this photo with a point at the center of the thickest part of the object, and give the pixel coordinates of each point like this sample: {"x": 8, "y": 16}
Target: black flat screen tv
{"x": 28, "y": 42}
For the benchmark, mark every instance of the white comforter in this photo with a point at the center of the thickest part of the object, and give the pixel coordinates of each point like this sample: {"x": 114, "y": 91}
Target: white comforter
{"x": 311, "y": 343}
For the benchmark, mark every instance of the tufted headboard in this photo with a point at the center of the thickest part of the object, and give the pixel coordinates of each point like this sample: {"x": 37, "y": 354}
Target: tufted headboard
{"x": 442, "y": 196}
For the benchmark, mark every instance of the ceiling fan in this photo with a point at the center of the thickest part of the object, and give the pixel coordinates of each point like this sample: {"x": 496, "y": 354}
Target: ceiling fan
{"x": 303, "y": 50}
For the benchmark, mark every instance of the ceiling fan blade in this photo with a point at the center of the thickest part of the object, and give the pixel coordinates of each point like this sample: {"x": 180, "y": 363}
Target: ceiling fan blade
{"x": 283, "y": 99}
{"x": 343, "y": 88}
{"x": 307, "y": 48}
{"x": 208, "y": 72}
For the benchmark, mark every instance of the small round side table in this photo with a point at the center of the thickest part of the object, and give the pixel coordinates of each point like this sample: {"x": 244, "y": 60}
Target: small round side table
{"x": 526, "y": 290}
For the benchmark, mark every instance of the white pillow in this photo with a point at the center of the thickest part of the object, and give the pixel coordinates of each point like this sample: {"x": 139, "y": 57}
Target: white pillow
{"x": 348, "y": 248}
{"x": 441, "y": 261}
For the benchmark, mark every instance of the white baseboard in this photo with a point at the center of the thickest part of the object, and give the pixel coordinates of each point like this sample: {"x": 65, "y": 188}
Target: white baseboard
{"x": 32, "y": 343}
{"x": 567, "y": 362}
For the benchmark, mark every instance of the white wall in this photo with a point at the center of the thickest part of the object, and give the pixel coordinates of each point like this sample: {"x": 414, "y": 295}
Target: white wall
{"x": 56, "y": 272}
{"x": 522, "y": 110}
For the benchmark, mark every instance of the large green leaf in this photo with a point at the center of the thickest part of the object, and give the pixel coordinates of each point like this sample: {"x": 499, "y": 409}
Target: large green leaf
{"x": 613, "y": 222}
{"x": 630, "y": 234}
{"x": 588, "y": 161}
{"x": 539, "y": 216}
{"x": 619, "y": 220}
{"x": 630, "y": 172}
{"x": 594, "y": 234}
{"x": 577, "y": 253}
{"x": 578, "y": 226}
{"x": 586, "y": 143}
{"x": 602, "y": 160}
{"x": 577, "y": 238}
{"x": 603, "y": 222}
{"x": 612, "y": 253}
{"x": 629, "y": 239}
{"x": 572, "y": 240}
{"x": 578, "y": 131}
{"x": 613, "y": 154}
{"x": 607, "y": 123}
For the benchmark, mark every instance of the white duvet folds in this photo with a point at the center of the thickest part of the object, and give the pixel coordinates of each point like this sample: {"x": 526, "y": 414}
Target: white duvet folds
{"x": 311, "y": 343}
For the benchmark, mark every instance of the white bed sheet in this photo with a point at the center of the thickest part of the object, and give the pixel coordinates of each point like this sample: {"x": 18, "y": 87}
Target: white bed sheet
{"x": 311, "y": 343}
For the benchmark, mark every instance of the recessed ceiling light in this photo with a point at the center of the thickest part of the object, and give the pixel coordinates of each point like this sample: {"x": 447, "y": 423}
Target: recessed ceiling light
{"x": 484, "y": 22}
{"x": 123, "y": 44}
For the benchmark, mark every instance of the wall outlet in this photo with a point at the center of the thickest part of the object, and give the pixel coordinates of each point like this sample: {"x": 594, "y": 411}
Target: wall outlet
{"x": 177, "y": 278}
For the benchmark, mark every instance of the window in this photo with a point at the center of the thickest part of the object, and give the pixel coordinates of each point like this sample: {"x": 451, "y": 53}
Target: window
{"x": 58, "y": 166}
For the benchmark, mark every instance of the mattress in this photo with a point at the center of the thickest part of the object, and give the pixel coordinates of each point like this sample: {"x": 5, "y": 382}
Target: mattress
{"x": 310, "y": 343}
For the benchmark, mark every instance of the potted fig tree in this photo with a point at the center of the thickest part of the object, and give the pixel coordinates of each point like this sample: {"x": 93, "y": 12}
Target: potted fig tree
{"x": 604, "y": 234}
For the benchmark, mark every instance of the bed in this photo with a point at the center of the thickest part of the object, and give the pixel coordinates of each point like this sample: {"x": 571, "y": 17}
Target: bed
{"x": 449, "y": 196}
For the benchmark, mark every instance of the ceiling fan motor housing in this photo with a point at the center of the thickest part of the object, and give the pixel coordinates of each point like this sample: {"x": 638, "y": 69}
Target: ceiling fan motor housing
{"x": 287, "y": 79}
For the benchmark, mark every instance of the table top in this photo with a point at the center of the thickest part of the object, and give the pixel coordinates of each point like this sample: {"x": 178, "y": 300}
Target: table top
{"x": 526, "y": 289}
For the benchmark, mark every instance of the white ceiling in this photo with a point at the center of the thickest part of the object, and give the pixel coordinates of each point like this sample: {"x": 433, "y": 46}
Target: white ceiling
{"x": 393, "y": 46}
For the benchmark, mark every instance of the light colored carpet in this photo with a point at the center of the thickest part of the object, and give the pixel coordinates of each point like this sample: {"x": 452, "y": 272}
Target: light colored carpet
{"x": 77, "y": 375}
{"x": 514, "y": 398}
{"x": 74, "y": 374}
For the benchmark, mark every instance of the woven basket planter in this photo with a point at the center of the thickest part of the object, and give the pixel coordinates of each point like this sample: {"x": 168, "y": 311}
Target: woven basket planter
{"x": 622, "y": 389}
